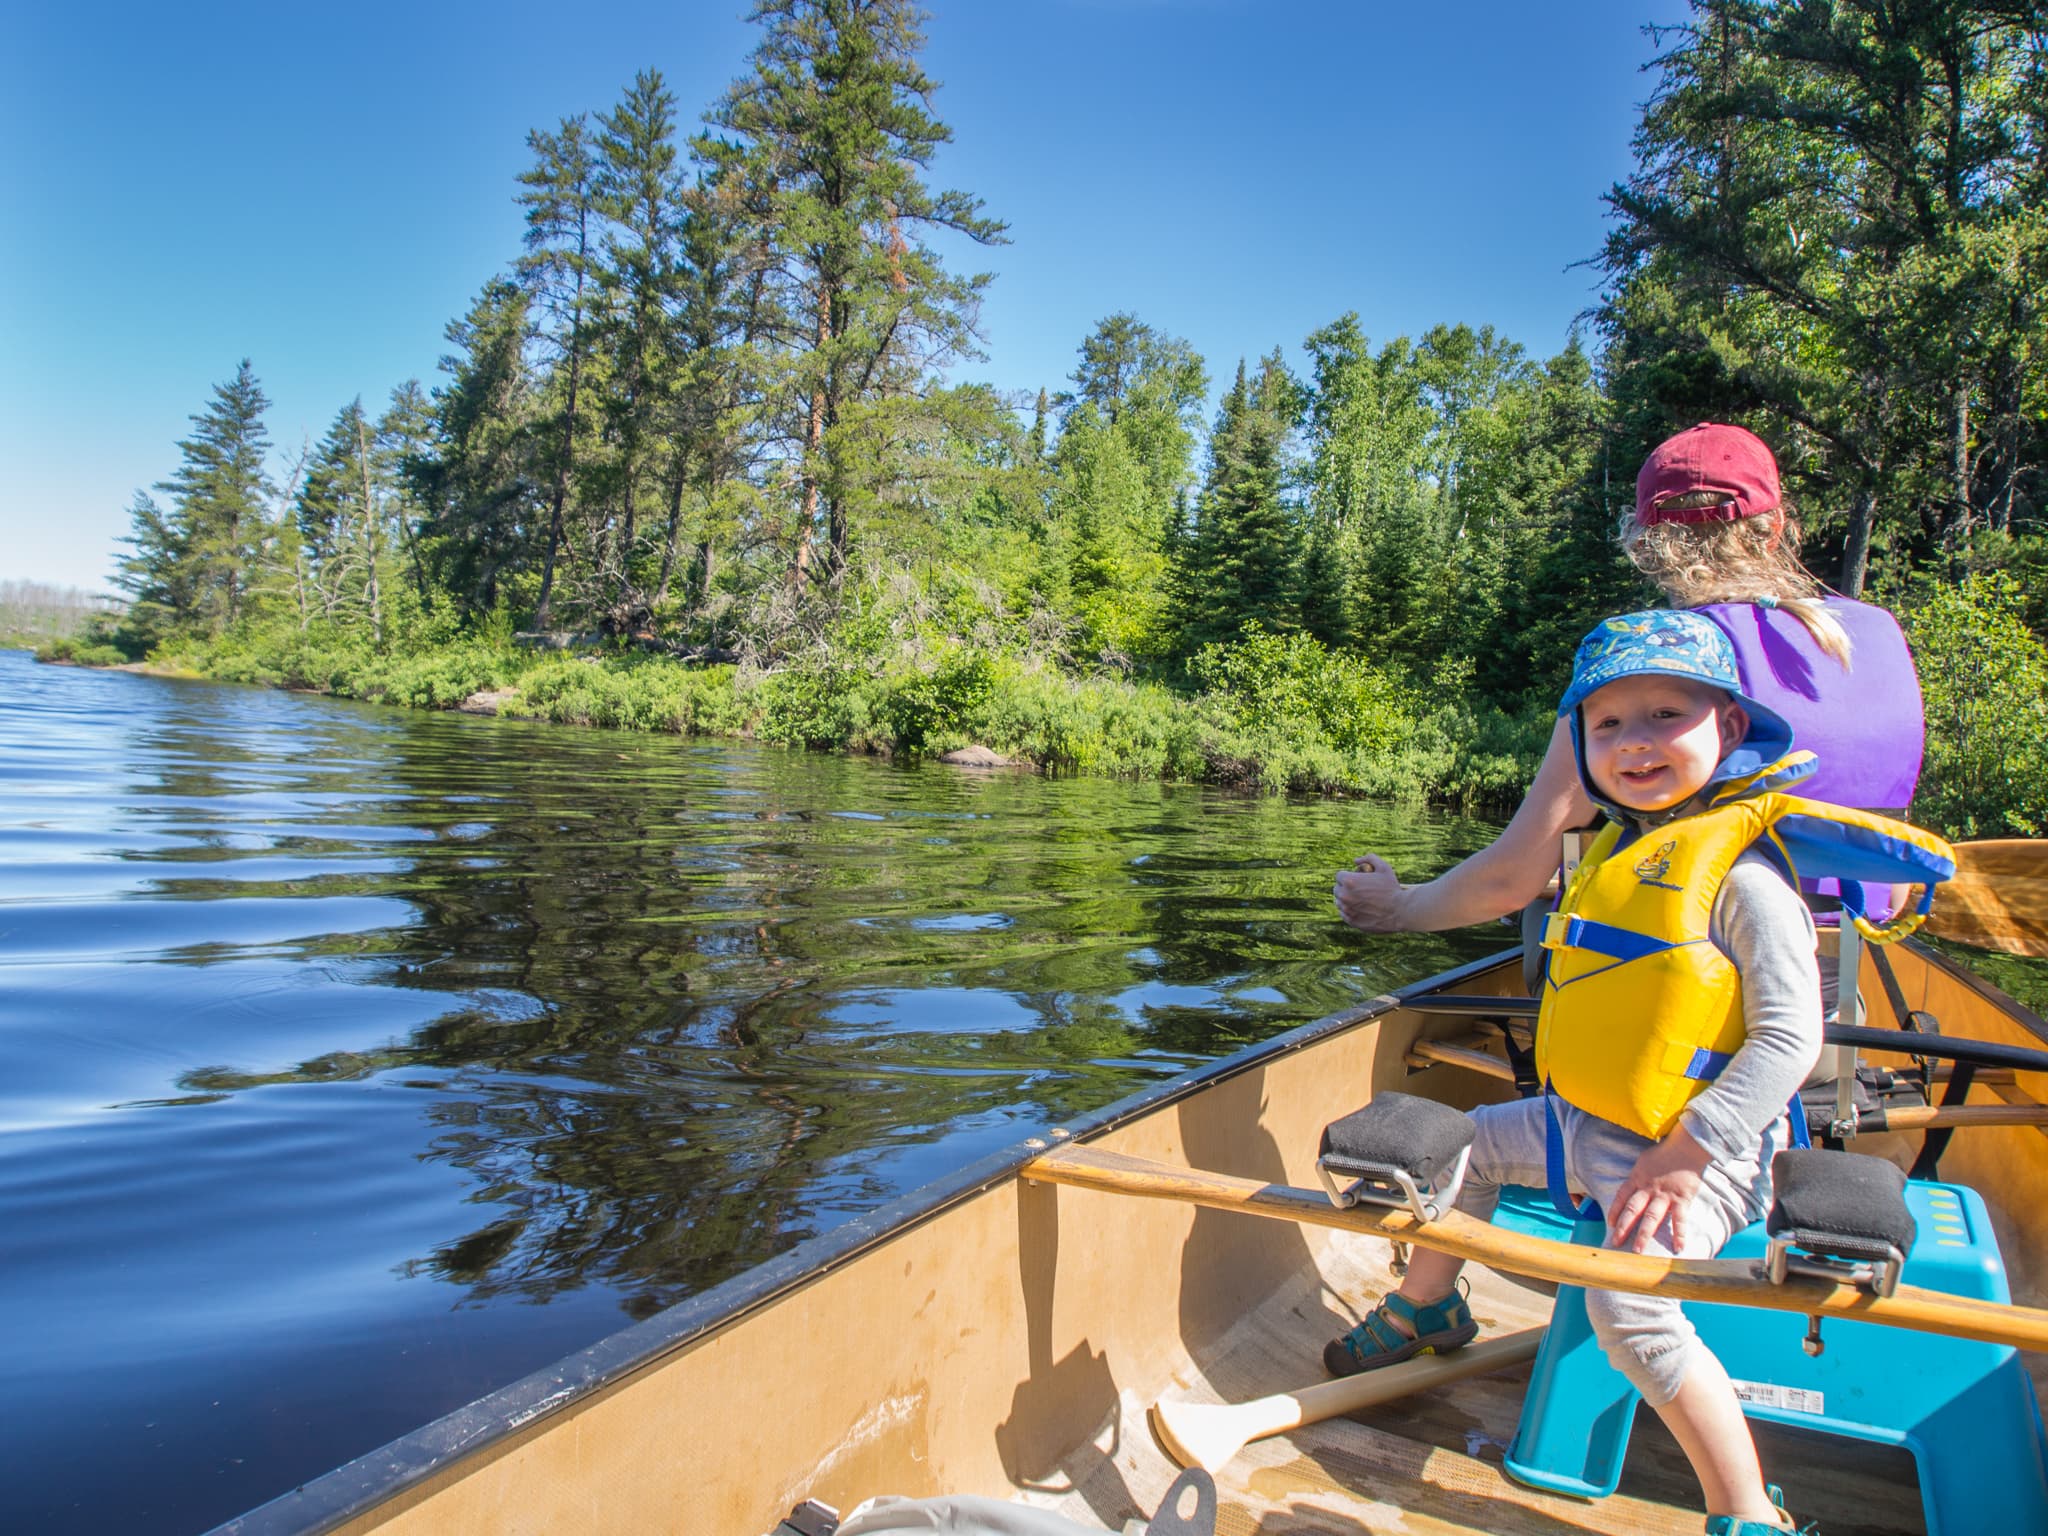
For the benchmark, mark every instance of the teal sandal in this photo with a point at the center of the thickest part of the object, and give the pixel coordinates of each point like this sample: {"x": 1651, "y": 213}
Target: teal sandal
{"x": 1439, "y": 1327}
{"x": 1728, "y": 1525}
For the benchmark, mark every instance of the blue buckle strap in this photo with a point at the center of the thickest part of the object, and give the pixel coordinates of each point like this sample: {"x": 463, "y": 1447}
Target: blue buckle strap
{"x": 1553, "y": 1165}
{"x": 1707, "y": 1065}
{"x": 1567, "y": 930}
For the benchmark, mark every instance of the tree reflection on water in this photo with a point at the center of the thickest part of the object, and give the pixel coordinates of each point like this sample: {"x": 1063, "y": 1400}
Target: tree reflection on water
{"x": 707, "y": 1001}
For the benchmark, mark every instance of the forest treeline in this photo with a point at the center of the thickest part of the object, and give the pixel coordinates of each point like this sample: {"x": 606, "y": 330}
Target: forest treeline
{"x": 714, "y": 428}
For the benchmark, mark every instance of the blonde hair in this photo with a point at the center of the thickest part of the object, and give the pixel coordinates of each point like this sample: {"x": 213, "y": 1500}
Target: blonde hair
{"x": 1744, "y": 560}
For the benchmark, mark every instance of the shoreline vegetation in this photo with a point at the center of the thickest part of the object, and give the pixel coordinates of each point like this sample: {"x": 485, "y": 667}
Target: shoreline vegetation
{"x": 717, "y": 419}
{"x": 1283, "y": 714}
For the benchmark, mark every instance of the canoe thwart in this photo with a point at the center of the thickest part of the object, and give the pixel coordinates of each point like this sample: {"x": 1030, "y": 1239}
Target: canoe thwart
{"x": 1731, "y": 1282}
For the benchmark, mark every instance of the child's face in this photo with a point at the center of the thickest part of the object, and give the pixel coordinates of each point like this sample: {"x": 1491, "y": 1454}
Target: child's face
{"x": 1652, "y": 742}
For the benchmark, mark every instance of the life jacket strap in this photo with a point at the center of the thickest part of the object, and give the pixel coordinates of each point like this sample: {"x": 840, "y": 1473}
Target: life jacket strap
{"x": 1553, "y": 1166}
{"x": 1703, "y": 1066}
{"x": 1903, "y": 923}
{"x": 1567, "y": 930}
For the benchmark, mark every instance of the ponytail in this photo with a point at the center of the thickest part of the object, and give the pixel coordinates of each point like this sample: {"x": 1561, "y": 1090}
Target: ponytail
{"x": 1748, "y": 560}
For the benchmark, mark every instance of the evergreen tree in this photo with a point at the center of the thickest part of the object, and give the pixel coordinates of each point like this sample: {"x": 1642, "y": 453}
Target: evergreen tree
{"x": 404, "y": 443}
{"x": 1237, "y": 564}
{"x": 641, "y": 193}
{"x": 479, "y": 487}
{"x": 156, "y": 574}
{"x": 1323, "y": 584}
{"x": 336, "y": 510}
{"x": 834, "y": 129}
{"x": 1835, "y": 220}
{"x": 220, "y": 496}
{"x": 561, "y": 234}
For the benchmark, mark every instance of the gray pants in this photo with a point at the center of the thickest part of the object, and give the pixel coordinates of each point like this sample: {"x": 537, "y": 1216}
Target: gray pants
{"x": 1647, "y": 1338}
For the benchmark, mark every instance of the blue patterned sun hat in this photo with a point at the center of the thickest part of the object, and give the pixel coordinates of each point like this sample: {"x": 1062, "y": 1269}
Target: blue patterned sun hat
{"x": 1659, "y": 640}
{"x": 1678, "y": 643}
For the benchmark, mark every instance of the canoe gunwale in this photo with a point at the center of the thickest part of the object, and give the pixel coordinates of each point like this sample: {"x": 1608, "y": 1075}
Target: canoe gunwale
{"x": 393, "y": 1469}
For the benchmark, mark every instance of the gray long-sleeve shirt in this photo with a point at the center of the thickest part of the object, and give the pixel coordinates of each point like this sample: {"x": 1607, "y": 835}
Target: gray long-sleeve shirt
{"x": 1764, "y": 929}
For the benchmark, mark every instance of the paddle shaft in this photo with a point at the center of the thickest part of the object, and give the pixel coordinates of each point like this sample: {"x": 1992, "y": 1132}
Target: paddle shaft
{"x": 1733, "y": 1282}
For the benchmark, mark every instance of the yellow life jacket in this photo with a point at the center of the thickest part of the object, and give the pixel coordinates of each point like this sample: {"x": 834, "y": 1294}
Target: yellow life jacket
{"x": 1640, "y": 1009}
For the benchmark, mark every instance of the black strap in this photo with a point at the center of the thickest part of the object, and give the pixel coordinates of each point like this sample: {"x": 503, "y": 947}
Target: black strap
{"x": 1522, "y": 1058}
{"x": 1917, "y": 1021}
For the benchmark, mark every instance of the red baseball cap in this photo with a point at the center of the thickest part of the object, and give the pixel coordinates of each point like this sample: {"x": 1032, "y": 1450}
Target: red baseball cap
{"x": 1712, "y": 456}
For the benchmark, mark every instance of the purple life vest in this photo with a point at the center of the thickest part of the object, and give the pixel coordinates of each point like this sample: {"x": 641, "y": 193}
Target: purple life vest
{"x": 1865, "y": 725}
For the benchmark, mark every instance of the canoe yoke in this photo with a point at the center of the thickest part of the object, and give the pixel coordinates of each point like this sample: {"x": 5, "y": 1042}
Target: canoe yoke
{"x": 1837, "y": 1216}
{"x": 1398, "y": 1151}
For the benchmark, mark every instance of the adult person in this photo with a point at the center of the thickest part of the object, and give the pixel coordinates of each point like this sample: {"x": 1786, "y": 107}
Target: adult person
{"x": 1710, "y": 528}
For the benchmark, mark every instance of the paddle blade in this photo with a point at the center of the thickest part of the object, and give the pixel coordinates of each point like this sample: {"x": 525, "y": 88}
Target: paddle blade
{"x": 1998, "y": 898}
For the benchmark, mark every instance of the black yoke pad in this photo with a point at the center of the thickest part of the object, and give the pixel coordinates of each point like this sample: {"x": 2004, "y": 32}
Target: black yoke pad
{"x": 1420, "y": 1136}
{"x": 1840, "y": 1202}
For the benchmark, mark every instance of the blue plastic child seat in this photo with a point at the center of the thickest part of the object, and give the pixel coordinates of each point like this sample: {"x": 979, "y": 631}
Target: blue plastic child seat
{"x": 1966, "y": 1410}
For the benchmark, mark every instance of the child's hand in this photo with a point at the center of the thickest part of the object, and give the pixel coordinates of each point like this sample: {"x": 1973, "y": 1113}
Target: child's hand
{"x": 1660, "y": 1187}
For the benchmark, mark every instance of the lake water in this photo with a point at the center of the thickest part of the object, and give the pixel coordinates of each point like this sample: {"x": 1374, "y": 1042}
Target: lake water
{"x": 355, "y": 1062}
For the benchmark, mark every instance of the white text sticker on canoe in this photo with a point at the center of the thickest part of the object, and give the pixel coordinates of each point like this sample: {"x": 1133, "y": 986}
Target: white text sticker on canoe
{"x": 1768, "y": 1394}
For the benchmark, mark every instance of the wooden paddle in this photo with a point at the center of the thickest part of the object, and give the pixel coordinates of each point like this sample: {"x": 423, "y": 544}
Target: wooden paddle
{"x": 1207, "y": 1435}
{"x": 1998, "y": 898}
{"x": 1732, "y": 1282}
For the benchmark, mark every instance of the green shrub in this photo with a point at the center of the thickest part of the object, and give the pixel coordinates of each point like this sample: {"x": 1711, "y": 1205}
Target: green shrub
{"x": 1985, "y": 679}
{"x": 1299, "y": 684}
{"x": 83, "y": 650}
{"x": 633, "y": 693}
{"x": 946, "y": 699}
{"x": 443, "y": 679}
{"x": 816, "y": 705}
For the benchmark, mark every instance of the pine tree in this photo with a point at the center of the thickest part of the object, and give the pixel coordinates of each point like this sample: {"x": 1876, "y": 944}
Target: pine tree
{"x": 641, "y": 193}
{"x": 561, "y": 217}
{"x": 1237, "y": 565}
{"x": 404, "y": 444}
{"x": 156, "y": 575}
{"x": 1835, "y": 220}
{"x": 479, "y": 487}
{"x": 220, "y": 495}
{"x": 834, "y": 128}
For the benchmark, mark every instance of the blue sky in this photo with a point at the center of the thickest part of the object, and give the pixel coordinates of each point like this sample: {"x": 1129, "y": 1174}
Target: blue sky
{"x": 321, "y": 190}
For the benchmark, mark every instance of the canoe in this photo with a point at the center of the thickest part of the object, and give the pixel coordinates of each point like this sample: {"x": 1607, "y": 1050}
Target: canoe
{"x": 1010, "y": 1330}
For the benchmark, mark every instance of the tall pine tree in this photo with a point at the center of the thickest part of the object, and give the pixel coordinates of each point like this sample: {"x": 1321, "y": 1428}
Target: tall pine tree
{"x": 220, "y": 506}
{"x": 834, "y": 130}
{"x": 1236, "y": 565}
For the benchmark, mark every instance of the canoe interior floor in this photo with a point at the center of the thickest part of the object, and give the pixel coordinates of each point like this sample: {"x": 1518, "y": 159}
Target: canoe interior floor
{"x": 1432, "y": 1463}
